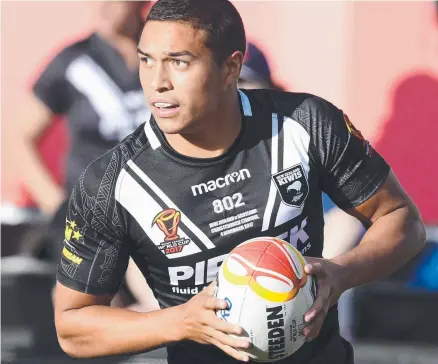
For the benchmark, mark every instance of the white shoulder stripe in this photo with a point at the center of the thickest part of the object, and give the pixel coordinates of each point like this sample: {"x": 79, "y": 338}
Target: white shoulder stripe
{"x": 190, "y": 225}
{"x": 143, "y": 208}
{"x": 274, "y": 167}
{"x": 246, "y": 105}
{"x": 295, "y": 151}
{"x": 152, "y": 137}
{"x": 119, "y": 181}
{"x": 298, "y": 150}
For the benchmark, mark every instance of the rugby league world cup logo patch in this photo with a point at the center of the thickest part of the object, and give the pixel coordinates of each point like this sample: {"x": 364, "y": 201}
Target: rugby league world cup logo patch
{"x": 292, "y": 185}
{"x": 168, "y": 222}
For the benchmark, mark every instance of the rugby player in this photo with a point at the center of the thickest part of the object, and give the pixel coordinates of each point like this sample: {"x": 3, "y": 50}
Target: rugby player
{"x": 213, "y": 167}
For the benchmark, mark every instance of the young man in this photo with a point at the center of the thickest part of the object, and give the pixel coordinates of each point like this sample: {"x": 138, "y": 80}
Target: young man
{"x": 208, "y": 153}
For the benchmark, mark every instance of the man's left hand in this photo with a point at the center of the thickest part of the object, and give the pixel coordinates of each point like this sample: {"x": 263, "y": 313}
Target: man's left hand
{"x": 328, "y": 291}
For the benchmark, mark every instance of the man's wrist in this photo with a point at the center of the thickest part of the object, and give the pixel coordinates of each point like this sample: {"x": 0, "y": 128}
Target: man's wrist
{"x": 166, "y": 324}
{"x": 342, "y": 279}
{"x": 177, "y": 331}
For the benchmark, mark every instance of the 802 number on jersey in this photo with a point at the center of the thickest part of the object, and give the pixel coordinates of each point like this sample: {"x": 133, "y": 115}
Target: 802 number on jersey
{"x": 228, "y": 203}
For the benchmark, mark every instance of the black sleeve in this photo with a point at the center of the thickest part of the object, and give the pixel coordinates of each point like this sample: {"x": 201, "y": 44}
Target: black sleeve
{"x": 96, "y": 249}
{"x": 52, "y": 87}
{"x": 351, "y": 171}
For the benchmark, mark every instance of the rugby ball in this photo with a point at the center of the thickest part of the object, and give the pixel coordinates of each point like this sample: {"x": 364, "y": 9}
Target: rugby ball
{"x": 268, "y": 293}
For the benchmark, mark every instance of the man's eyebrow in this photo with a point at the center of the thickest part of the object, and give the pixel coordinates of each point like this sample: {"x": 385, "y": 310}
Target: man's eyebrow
{"x": 180, "y": 54}
{"x": 143, "y": 53}
{"x": 169, "y": 54}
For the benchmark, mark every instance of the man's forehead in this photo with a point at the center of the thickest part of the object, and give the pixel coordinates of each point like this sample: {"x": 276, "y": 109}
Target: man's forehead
{"x": 169, "y": 36}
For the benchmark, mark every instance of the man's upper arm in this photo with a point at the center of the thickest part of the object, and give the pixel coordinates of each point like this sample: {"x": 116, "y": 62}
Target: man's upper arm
{"x": 352, "y": 173}
{"x": 350, "y": 170}
{"x": 95, "y": 254}
{"x": 69, "y": 299}
{"x": 389, "y": 197}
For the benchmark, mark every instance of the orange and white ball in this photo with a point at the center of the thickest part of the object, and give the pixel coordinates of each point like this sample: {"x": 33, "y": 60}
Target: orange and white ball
{"x": 268, "y": 292}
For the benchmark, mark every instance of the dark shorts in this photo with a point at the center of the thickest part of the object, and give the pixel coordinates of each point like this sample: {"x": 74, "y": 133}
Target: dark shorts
{"x": 336, "y": 350}
{"x": 339, "y": 351}
{"x": 328, "y": 348}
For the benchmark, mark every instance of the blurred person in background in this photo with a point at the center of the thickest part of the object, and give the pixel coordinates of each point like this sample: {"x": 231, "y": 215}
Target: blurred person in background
{"x": 94, "y": 84}
{"x": 256, "y": 72}
{"x": 436, "y": 10}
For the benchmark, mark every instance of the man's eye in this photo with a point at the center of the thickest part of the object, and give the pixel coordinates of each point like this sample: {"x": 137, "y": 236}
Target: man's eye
{"x": 179, "y": 63}
{"x": 146, "y": 60}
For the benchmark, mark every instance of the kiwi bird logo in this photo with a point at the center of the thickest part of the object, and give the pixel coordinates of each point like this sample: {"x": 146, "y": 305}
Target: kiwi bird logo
{"x": 292, "y": 185}
{"x": 295, "y": 188}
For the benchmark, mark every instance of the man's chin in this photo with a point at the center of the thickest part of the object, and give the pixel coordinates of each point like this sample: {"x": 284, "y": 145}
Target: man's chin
{"x": 169, "y": 126}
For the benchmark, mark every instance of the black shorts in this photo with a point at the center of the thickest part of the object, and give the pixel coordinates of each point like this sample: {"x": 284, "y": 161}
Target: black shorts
{"x": 338, "y": 351}
{"x": 334, "y": 350}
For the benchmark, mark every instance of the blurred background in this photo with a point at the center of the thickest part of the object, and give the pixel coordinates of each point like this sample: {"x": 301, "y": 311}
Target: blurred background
{"x": 378, "y": 61}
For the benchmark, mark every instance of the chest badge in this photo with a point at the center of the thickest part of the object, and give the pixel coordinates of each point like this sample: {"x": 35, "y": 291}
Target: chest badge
{"x": 292, "y": 185}
{"x": 168, "y": 222}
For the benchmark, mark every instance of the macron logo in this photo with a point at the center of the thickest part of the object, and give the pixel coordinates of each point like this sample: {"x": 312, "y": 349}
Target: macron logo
{"x": 221, "y": 182}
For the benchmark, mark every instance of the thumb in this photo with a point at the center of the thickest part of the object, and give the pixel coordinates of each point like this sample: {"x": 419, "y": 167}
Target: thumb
{"x": 314, "y": 268}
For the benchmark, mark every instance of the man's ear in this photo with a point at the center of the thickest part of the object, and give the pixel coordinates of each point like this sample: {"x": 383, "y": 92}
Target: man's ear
{"x": 233, "y": 65}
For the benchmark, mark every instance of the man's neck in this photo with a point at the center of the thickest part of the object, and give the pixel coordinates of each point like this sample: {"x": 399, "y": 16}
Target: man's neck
{"x": 215, "y": 135}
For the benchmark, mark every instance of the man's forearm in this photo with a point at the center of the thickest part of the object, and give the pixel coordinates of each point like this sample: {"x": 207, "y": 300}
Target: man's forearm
{"x": 102, "y": 331}
{"x": 388, "y": 244}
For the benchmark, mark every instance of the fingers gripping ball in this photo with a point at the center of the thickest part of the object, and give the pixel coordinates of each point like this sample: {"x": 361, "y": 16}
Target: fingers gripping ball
{"x": 267, "y": 291}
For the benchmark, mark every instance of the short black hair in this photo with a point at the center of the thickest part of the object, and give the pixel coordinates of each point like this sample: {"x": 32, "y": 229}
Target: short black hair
{"x": 218, "y": 18}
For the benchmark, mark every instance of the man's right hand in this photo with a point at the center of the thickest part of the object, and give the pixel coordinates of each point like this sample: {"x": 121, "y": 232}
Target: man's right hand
{"x": 200, "y": 323}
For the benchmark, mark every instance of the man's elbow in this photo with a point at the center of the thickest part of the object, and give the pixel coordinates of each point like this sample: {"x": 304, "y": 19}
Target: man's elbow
{"x": 419, "y": 234}
{"x": 422, "y": 234}
{"x": 76, "y": 349}
{"x": 68, "y": 347}
{"x": 70, "y": 344}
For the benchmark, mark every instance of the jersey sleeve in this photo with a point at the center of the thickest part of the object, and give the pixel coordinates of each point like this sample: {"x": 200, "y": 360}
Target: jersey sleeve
{"x": 95, "y": 254}
{"x": 350, "y": 170}
{"x": 51, "y": 87}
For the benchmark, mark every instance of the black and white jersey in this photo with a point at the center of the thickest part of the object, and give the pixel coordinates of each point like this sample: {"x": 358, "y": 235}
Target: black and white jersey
{"x": 101, "y": 97}
{"x": 178, "y": 217}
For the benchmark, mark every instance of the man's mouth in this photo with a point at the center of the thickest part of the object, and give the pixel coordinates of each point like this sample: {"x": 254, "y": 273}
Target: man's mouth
{"x": 164, "y": 105}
